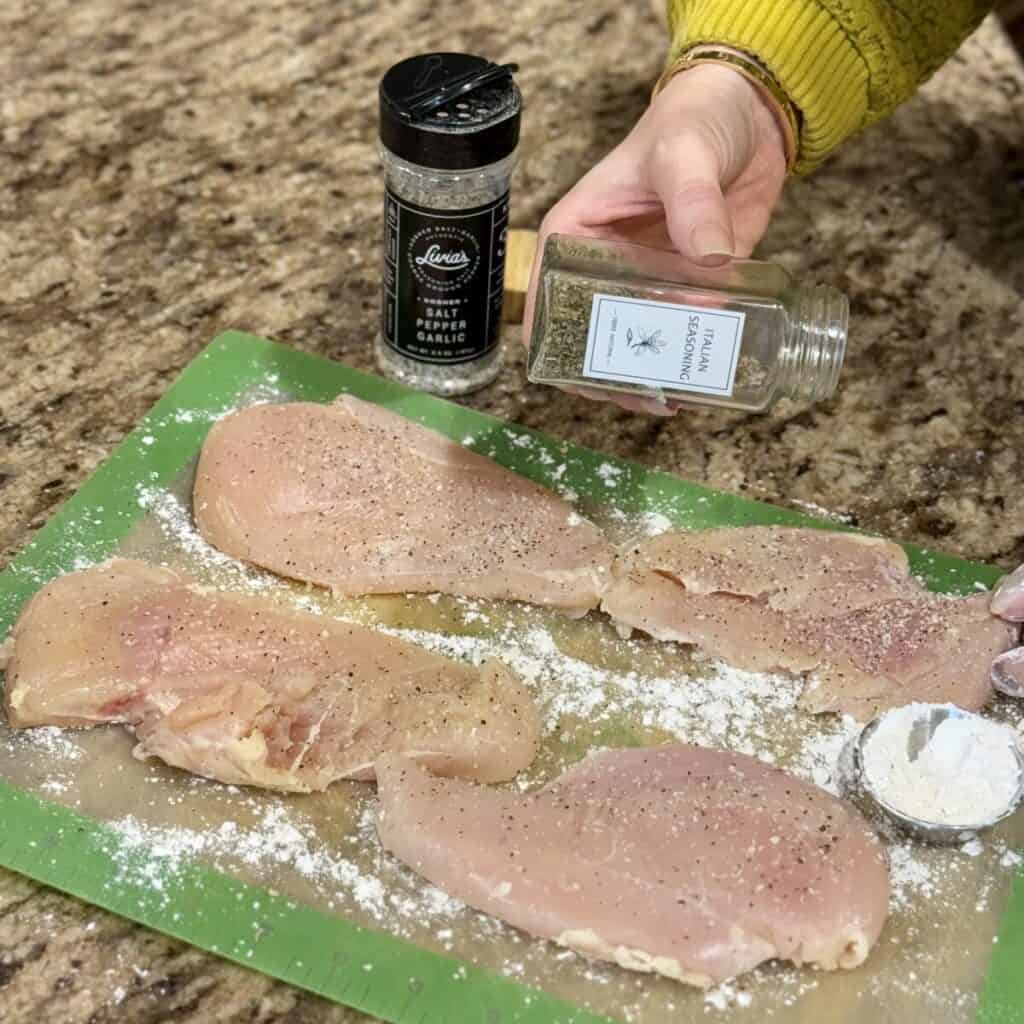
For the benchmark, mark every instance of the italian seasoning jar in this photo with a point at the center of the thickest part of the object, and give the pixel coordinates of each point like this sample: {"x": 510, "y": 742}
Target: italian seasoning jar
{"x": 626, "y": 318}
{"x": 449, "y": 128}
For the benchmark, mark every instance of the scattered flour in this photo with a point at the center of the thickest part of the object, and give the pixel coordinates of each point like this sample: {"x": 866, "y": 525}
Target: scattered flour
{"x": 519, "y": 440}
{"x": 610, "y": 474}
{"x": 155, "y": 855}
{"x": 654, "y": 523}
{"x": 818, "y": 759}
{"x": 175, "y": 521}
{"x": 910, "y": 875}
{"x": 1010, "y": 859}
{"x": 51, "y": 740}
{"x": 726, "y": 995}
{"x": 726, "y": 707}
{"x": 822, "y": 513}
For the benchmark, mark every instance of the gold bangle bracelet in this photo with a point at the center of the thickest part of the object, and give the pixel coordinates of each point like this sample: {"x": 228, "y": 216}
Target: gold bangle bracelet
{"x": 754, "y": 73}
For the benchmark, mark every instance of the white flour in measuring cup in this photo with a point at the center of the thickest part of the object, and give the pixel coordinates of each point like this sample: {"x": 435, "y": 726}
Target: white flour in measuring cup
{"x": 967, "y": 773}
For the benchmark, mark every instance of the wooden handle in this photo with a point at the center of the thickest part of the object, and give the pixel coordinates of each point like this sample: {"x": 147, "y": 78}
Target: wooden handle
{"x": 520, "y": 245}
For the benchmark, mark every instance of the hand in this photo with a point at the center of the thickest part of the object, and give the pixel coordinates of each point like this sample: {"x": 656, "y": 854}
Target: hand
{"x": 699, "y": 174}
{"x": 1008, "y": 672}
{"x": 1008, "y": 602}
{"x": 1008, "y": 598}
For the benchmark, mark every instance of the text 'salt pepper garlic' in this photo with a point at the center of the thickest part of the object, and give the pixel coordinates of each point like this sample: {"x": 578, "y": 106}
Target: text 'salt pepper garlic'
{"x": 627, "y": 318}
{"x": 449, "y": 128}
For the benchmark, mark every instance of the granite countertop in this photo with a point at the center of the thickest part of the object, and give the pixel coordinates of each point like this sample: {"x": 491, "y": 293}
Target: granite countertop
{"x": 169, "y": 171}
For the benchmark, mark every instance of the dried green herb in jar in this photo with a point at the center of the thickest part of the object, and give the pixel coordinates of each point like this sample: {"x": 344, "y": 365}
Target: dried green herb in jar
{"x": 622, "y": 318}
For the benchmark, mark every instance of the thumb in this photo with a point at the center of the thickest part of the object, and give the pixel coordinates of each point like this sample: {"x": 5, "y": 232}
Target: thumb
{"x": 684, "y": 172}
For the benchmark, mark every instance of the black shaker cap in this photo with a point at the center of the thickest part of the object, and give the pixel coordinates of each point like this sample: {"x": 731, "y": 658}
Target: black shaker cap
{"x": 450, "y": 111}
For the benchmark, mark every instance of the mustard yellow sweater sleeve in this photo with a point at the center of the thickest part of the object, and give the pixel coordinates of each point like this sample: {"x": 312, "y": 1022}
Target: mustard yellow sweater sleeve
{"x": 843, "y": 63}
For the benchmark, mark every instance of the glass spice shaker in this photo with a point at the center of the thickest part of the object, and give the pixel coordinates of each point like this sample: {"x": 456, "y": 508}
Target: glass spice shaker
{"x": 626, "y": 318}
{"x": 449, "y": 128}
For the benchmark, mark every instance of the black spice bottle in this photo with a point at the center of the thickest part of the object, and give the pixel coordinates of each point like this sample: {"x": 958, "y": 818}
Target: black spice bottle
{"x": 449, "y": 128}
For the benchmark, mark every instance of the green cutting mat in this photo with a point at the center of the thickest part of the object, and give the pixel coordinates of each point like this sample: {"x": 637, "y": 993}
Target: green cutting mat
{"x": 316, "y": 951}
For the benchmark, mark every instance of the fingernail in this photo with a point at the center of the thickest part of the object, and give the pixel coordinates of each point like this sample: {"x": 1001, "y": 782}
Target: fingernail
{"x": 1008, "y": 600}
{"x": 712, "y": 244}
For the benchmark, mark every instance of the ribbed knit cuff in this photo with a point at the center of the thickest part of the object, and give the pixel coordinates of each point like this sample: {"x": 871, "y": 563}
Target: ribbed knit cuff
{"x": 807, "y": 52}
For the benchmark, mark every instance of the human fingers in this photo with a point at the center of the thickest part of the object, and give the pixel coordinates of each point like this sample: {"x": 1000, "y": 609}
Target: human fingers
{"x": 1008, "y": 673}
{"x": 1008, "y": 600}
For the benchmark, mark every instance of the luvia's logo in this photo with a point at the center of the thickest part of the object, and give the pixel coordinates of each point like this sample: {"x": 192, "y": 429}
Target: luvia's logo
{"x": 443, "y": 259}
{"x": 641, "y": 341}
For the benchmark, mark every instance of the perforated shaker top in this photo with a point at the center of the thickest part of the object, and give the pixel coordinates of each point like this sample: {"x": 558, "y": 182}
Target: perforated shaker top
{"x": 450, "y": 110}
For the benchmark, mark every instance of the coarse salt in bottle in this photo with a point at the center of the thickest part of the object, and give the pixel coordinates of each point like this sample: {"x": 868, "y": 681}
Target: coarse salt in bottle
{"x": 449, "y": 129}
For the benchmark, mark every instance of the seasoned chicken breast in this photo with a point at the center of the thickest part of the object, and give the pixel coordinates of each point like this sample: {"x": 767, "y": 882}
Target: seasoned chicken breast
{"x": 693, "y": 863}
{"x": 238, "y": 688}
{"x": 841, "y": 607}
{"x": 359, "y": 499}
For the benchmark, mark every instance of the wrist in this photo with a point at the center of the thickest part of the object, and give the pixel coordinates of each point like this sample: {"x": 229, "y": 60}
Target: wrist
{"x": 736, "y": 66}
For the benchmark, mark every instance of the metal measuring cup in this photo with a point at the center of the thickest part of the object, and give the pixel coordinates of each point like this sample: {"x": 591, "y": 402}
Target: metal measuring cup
{"x": 858, "y": 788}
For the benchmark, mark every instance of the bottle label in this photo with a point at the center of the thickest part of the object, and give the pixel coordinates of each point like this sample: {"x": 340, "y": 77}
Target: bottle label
{"x": 664, "y": 344}
{"x": 444, "y": 276}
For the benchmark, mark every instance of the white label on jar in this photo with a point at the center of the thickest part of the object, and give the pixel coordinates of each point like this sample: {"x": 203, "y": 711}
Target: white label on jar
{"x": 687, "y": 348}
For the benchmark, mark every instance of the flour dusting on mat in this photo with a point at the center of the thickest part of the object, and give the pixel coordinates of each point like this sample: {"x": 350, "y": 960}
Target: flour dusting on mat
{"x": 56, "y": 743}
{"x": 595, "y": 690}
{"x": 655, "y": 523}
{"x": 721, "y": 707}
{"x": 822, "y": 513}
{"x": 175, "y": 520}
{"x": 727, "y": 994}
{"x": 155, "y": 856}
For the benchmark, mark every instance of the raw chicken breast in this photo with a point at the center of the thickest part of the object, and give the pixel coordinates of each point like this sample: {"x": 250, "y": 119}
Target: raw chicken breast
{"x": 1008, "y": 600}
{"x": 927, "y": 649}
{"x": 840, "y": 606}
{"x": 693, "y": 863}
{"x": 241, "y": 689}
{"x": 359, "y": 499}
{"x": 815, "y": 571}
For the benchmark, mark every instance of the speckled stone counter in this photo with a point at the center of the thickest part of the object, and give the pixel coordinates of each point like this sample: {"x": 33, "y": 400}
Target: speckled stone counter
{"x": 168, "y": 171}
